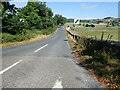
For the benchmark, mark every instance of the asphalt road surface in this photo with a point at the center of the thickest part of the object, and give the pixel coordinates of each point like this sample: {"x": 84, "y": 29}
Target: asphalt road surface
{"x": 44, "y": 64}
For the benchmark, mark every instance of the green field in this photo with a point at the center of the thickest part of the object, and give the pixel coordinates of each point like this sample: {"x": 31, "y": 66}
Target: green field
{"x": 69, "y": 24}
{"x": 96, "y": 32}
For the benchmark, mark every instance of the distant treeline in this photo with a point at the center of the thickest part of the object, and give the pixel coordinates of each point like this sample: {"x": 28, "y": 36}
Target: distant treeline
{"x": 35, "y": 16}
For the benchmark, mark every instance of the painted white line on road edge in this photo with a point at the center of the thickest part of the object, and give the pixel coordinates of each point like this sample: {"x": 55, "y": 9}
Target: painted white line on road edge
{"x": 41, "y": 48}
{"x": 58, "y": 84}
{"x": 1, "y": 72}
{"x": 68, "y": 43}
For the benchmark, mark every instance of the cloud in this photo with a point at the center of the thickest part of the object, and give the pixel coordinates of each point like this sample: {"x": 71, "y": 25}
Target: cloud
{"x": 88, "y": 6}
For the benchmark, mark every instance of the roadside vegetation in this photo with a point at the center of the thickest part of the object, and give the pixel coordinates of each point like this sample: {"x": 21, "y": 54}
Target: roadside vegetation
{"x": 35, "y": 19}
{"x": 36, "y": 38}
{"x": 99, "y": 59}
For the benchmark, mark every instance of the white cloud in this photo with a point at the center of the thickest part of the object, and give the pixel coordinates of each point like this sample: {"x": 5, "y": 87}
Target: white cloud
{"x": 88, "y": 6}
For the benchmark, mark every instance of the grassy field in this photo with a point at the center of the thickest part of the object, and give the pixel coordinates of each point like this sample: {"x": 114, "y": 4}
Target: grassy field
{"x": 96, "y": 32}
{"x": 69, "y": 24}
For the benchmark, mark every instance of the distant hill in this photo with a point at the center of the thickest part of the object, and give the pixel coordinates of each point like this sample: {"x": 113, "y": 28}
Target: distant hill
{"x": 111, "y": 20}
{"x": 108, "y": 18}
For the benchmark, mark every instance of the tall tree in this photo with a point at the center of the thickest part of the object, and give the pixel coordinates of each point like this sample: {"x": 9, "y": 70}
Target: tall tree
{"x": 59, "y": 19}
{"x": 34, "y": 16}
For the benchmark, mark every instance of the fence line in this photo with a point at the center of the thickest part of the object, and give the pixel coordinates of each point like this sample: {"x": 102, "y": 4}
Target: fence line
{"x": 115, "y": 44}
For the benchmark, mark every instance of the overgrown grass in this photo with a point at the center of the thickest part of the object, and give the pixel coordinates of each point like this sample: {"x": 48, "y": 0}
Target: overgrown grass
{"x": 6, "y": 37}
{"x": 99, "y": 59}
{"x": 48, "y": 31}
{"x": 32, "y": 40}
{"x": 9, "y": 40}
{"x": 28, "y": 34}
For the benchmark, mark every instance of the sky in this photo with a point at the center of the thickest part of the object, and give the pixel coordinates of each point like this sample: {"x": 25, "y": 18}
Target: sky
{"x": 81, "y": 10}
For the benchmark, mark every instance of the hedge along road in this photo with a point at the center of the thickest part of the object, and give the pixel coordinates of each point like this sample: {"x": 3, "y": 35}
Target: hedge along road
{"x": 44, "y": 64}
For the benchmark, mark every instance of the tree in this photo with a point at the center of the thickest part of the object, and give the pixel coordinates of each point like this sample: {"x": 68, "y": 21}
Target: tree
{"x": 8, "y": 13}
{"x": 60, "y": 19}
{"x": 34, "y": 16}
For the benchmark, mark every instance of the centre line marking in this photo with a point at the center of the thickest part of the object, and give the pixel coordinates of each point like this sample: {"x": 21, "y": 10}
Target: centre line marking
{"x": 1, "y": 72}
{"x": 58, "y": 84}
{"x": 41, "y": 48}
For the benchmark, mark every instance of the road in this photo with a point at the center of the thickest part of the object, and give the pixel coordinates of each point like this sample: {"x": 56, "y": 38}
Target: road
{"x": 44, "y": 64}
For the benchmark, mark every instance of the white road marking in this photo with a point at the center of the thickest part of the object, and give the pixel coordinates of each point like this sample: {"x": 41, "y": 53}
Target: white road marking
{"x": 68, "y": 43}
{"x": 41, "y": 48}
{"x": 58, "y": 84}
{"x": 1, "y": 72}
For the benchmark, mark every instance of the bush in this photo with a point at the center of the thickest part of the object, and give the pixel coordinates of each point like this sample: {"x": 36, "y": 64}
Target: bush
{"x": 103, "y": 59}
{"x": 44, "y": 31}
{"x": 48, "y": 31}
{"x": 27, "y": 34}
{"x": 92, "y": 25}
{"x": 86, "y": 25}
{"x": 83, "y": 24}
{"x": 7, "y": 38}
{"x": 19, "y": 38}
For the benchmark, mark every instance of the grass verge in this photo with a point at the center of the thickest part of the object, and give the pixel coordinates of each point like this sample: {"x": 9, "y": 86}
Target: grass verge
{"x": 39, "y": 37}
{"x": 102, "y": 65}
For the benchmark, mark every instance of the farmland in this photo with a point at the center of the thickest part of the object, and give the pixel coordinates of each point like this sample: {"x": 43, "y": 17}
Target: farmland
{"x": 96, "y": 32}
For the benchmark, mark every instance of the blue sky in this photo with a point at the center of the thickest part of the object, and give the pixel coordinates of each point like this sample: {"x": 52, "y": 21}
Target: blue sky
{"x": 82, "y": 10}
